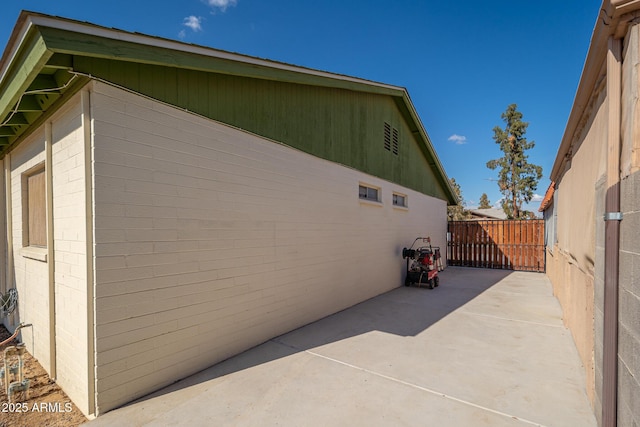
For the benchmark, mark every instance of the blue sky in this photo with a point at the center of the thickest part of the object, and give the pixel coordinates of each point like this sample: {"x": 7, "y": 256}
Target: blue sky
{"x": 463, "y": 62}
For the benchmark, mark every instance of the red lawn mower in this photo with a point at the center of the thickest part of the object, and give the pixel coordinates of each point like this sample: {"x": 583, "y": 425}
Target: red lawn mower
{"x": 423, "y": 264}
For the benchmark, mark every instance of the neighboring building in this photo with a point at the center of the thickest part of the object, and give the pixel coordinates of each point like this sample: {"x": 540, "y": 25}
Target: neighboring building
{"x": 593, "y": 252}
{"x": 167, "y": 206}
{"x": 491, "y": 213}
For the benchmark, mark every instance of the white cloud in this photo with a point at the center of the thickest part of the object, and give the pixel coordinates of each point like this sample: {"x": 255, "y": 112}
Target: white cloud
{"x": 193, "y": 22}
{"x": 221, "y": 4}
{"x": 458, "y": 139}
{"x": 537, "y": 198}
{"x": 182, "y": 34}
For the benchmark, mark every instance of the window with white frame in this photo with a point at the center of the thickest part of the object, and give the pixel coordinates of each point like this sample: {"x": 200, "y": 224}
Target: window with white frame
{"x": 366, "y": 192}
{"x": 400, "y": 200}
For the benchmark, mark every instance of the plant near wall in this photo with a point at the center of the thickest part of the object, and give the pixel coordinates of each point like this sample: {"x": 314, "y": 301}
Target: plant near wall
{"x": 457, "y": 212}
{"x": 517, "y": 178}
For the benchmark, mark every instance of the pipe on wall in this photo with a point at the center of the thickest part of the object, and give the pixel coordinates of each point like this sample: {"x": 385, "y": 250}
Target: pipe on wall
{"x": 612, "y": 236}
{"x": 51, "y": 265}
{"x": 9, "y": 222}
{"x": 3, "y": 235}
{"x": 88, "y": 179}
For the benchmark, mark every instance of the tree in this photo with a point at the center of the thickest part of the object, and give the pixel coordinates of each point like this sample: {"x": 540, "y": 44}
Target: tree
{"x": 457, "y": 212}
{"x": 484, "y": 202}
{"x": 517, "y": 178}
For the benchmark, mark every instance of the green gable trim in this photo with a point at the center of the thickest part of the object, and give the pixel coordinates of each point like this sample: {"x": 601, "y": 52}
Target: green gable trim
{"x": 34, "y": 80}
{"x": 27, "y": 64}
{"x": 98, "y": 47}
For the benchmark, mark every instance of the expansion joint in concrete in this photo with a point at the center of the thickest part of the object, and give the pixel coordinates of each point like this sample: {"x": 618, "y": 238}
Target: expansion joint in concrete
{"x": 425, "y": 389}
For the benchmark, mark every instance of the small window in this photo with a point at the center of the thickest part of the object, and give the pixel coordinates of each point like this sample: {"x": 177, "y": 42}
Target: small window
{"x": 399, "y": 200}
{"x": 369, "y": 193}
{"x": 35, "y": 209}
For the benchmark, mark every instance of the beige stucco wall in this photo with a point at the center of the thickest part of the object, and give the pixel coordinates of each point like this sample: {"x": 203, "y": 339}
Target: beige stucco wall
{"x": 31, "y": 269}
{"x": 70, "y": 245}
{"x": 571, "y": 260}
{"x": 629, "y": 129}
{"x": 31, "y": 276}
{"x": 210, "y": 240}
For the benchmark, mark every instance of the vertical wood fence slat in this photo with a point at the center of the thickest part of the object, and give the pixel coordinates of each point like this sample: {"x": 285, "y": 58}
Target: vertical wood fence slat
{"x": 494, "y": 245}
{"x": 515, "y": 245}
{"x": 482, "y": 247}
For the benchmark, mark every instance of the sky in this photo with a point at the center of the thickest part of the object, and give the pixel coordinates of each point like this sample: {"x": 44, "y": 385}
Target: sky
{"x": 463, "y": 62}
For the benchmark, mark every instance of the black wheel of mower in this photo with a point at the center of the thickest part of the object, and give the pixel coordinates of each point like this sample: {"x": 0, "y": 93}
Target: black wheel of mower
{"x": 436, "y": 281}
{"x": 430, "y": 284}
{"x": 407, "y": 282}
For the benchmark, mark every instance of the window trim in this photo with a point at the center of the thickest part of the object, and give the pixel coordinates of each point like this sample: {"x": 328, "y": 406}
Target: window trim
{"x": 405, "y": 198}
{"x": 35, "y": 252}
{"x": 377, "y": 201}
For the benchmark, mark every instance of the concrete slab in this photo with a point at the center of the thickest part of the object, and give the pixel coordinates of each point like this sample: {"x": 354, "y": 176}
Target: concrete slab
{"x": 486, "y": 348}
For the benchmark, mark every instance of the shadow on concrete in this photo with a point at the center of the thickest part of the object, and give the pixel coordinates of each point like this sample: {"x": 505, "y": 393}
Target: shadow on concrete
{"x": 405, "y": 311}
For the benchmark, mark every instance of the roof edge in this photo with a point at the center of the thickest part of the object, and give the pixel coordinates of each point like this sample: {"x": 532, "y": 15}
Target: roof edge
{"x": 612, "y": 20}
{"x": 40, "y": 19}
{"x": 453, "y": 198}
{"x": 16, "y": 39}
{"x": 29, "y": 21}
{"x": 548, "y": 197}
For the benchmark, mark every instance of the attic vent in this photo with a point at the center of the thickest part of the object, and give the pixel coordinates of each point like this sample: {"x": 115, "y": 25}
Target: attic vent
{"x": 387, "y": 136}
{"x": 395, "y": 141}
{"x": 391, "y": 138}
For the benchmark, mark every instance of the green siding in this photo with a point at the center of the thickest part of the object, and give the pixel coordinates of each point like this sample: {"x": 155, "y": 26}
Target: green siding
{"x": 340, "y": 125}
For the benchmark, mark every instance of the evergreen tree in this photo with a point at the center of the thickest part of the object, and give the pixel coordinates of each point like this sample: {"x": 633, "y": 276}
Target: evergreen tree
{"x": 457, "y": 212}
{"x": 484, "y": 202}
{"x": 517, "y": 178}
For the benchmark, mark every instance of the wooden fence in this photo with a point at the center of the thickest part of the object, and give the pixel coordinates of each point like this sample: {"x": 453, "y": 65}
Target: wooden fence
{"x": 508, "y": 244}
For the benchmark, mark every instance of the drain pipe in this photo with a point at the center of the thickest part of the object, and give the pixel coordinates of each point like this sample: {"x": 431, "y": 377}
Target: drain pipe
{"x": 51, "y": 262}
{"x": 612, "y": 218}
{"x": 9, "y": 283}
{"x": 87, "y": 114}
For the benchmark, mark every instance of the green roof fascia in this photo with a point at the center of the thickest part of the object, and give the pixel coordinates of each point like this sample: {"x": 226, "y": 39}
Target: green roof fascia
{"x": 43, "y": 43}
{"x": 68, "y": 42}
{"x": 36, "y": 119}
{"x": 26, "y": 64}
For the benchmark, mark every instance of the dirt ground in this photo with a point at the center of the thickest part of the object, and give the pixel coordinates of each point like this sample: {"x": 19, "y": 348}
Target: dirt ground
{"x": 45, "y": 404}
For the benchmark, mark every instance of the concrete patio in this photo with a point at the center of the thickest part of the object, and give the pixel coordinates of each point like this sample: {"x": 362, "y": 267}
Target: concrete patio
{"x": 486, "y": 348}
